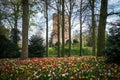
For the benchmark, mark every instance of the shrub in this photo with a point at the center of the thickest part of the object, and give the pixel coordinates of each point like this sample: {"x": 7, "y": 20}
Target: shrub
{"x": 36, "y": 48}
{"x": 56, "y": 44}
{"x": 75, "y": 41}
{"x": 8, "y": 49}
{"x": 113, "y": 46}
{"x": 14, "y": 36}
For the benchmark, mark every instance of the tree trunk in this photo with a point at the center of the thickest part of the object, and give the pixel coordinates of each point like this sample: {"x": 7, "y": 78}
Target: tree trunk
{"x": 46, "y": 15}
{"x": 25, "y": 25}
{"x": 70, "y": 28}
{"x": 15, "y": 25}
{"x": 58, "y": 25}
{"x": 102, "y": 27}
{"x": 81, "y": 28}
{"x": 62, "y": 28}
{"x": 93, "y": 27}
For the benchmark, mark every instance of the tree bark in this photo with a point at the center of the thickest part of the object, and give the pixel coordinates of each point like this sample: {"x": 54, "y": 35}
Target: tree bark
{"x": 46, "y": 16}
{"x": 93, "y": 28}
{"x": 58, "y": 24}
{"x": 63, "y": 28}
{"x": 25, "y": 25}
{"x": 81, "y": 28}
{"x": 102, "y": 27}
{"x": 70, "y": 12}
{"x": 15, "y": 24}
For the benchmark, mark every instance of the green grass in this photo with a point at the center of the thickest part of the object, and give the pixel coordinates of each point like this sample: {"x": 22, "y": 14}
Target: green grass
{"x": 86, "y": 51}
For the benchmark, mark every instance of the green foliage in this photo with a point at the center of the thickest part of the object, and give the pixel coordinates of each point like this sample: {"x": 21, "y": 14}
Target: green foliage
{"x": 88, "y": 41}
{"x": 56, "y": 44}
{"x": 4, "y": 31}
{"x": 87, "y": 51}
{"x": 113, "y": 46}
{"x": 67, "y": 42}
{"x": 75, "y": 41}
{"x": 36, "y": 48}
{"x": 15, "y": 35}
{"x": 7, "y": 48}
{"x": 52, "y": 51}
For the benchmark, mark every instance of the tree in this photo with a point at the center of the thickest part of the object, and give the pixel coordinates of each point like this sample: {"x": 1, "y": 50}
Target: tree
{"x": 25, "y": 25}
{"x": 46, "y": 17}
{"x": 8, "y": 49}
{"x": 14, "y": 35}
{"x": 82, "y": 12}
{"x": 11, "y": 14}
{"x": 16, "y": 10}
{"x": 112, "y": 49}
{"x": 70, "y": 7}
{"x": 70, "y": 13}
{"x": 102, "y": 27}
{"x": 81, "y": 4}
{"x": 63, "y": 28}
{"x": 58, "y": 24}
{"x": 45, "y": 8}
{"x": 4, "y": 31}
{"x": 92, "y": 3}
{"x": 36, "y": 48}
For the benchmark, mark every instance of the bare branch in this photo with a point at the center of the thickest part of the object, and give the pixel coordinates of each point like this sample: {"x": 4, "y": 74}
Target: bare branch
{"x": 113, "y": 13}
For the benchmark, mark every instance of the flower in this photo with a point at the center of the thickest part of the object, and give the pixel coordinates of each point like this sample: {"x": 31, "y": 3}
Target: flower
{"x": 58, "y": 68}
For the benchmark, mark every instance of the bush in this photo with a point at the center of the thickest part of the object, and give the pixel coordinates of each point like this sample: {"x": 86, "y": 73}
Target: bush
{"x": 36, "y": 48}
{"x": 56, "y": 44}
{"x": 15, "y": 35}
{"x": 75, "y": 41}
{"x": 8, "y": 49}
{"x": 113, "y": 46}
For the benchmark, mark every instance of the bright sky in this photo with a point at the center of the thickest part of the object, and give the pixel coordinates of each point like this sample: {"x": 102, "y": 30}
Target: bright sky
{"x": 40, "y": 20}
{"x": 113, "y": 1}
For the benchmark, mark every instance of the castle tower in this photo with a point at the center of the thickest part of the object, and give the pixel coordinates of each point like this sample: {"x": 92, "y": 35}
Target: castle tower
{"x": 55, "y": 29}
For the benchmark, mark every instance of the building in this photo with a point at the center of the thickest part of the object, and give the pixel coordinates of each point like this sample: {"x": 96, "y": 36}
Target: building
{"x": 54, "y": 37}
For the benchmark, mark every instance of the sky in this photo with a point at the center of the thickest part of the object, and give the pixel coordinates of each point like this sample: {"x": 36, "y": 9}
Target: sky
{"x": 40, "y": 20}
{"x": 113, "y": 1}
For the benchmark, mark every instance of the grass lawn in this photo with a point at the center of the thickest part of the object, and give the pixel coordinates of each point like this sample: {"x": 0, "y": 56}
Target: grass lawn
{"x": 64, "y": 68}
{"x": 75, "y": 50}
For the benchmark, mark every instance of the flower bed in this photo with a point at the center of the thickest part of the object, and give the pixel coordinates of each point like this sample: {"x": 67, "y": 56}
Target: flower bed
{"x": 67, "y": 68}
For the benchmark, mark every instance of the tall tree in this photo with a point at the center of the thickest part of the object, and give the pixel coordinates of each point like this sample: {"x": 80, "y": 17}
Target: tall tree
{"x": 63, "y": 28}
{"x": 58, "y": 24}
{"x": 15, "y": 24}
{"x": 70, "y": 6}
{"x": 12, "y": 15}
{"x": 70, "y": 13}
{"x": 81, "y": 4}
{"x": 44, "y": 4}
{"x": 14, "y": 32}
{"x": 92, "y": 3}
{"x": 25, "y": 25}
{"x": 46, "y": 16}
{"x": 102, "y": 27}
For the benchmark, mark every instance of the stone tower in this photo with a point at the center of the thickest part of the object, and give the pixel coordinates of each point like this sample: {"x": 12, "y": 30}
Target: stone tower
{"x": 54, "y": 37}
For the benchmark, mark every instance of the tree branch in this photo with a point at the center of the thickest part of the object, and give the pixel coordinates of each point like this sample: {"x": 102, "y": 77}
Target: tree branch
{"x": 113, "y": 13}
